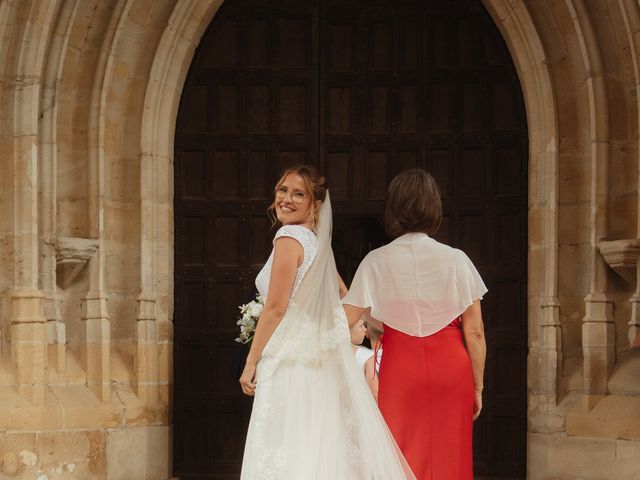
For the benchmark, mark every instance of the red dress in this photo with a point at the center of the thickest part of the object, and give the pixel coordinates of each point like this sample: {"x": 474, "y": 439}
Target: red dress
{"x": 426, "y": 395}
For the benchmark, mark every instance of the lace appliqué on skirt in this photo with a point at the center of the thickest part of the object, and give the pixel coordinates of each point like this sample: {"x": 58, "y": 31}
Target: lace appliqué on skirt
{"x": 299, "y": 338}
{"x": 270, "y": 461}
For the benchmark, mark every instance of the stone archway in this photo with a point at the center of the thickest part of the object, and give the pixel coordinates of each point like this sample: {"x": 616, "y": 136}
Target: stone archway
{"x": 90, "y": 92}
{"x": 545, "y": 341}
{"x": 170, "y": 65}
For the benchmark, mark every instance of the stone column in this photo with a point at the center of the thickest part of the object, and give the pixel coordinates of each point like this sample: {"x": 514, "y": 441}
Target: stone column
{"x": 146, "y": 361}
{"x": 28, "y": 343}
{"x": 543, "y": 258}
{"x": 634, "y": 322}
{"x": 96, "y": 342}
{"x": 550, "y": 350}
{"x": 598, "y": 330}
{"x": 96, "y": 334}
{"x": 545, "y": 332}
{"x": 55, "y": 328}
{"x": 97, "y": 331}
{"x": 48, "y": 183}
{"x": 598, "y": 344}
{"x": 28, "y": 340}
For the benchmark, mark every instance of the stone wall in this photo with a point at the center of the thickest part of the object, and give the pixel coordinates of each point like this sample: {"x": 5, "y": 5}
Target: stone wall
{"x": 89, "y": 92}
{"x": 85, "y": 233}
{"x": 584, "y": 416}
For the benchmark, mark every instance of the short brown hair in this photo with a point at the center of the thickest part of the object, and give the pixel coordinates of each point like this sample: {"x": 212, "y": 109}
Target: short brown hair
{"x": 413, "y": 204}
{"x": 316, "y": 187}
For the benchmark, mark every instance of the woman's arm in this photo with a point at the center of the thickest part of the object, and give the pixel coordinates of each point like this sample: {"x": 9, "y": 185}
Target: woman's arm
{"x": 287, "y": 256}
{"x": 353, "y": 313}
{"x": 473, "y": 330}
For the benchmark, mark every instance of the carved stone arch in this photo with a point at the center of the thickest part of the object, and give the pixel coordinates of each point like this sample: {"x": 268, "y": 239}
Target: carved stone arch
{"x": 27, "y": 316}
{"x": 171, "y": 63}
{"x": 545, "y": 342}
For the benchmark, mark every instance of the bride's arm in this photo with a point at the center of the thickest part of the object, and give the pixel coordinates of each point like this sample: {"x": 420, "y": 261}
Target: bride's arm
{"x": 287, "y": 256}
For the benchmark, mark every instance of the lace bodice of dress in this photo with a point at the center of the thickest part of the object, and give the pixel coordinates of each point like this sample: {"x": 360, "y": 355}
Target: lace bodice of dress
{"x": 309, "y": 243}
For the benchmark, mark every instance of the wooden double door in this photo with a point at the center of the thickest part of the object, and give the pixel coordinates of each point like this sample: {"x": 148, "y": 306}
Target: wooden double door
{"x": 364, "y": 90}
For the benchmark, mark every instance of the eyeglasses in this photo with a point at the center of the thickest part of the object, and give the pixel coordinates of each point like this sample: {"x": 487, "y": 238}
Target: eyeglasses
{"x": 296, "y": 197}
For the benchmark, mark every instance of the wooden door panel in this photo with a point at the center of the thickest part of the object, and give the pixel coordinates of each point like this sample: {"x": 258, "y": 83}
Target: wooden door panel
{"x": 192, "y": 254}
{"x": 225, "y": 51}
{"x": 440, "y": 164}
{"x": 293, "y": 103}
{"x": 193, "y": 174}
{"x": 193, "y": 305}
{"x": 339, "y": 172}
{"x": 196, "y": 101}
{"x": 339, "y": 113}
{"x": 260, "y": 240}
{"x": 339, "y": 48}
{"x": 507, "y": 225}
{"x": 502, "y": 453}
{"x": 470, "y": 229}
{"x": 378, "y": 167}
{"x": 508, "y": 295}
{"x": 364, "y": 90}
{"x": 249, "y": 109}
{"x": 294, "y": 41}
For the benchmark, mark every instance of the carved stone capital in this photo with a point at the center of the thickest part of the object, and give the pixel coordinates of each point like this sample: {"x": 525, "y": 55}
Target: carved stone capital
{"x": 146, "y": 307}
{"x": 622, "y": 256}
{"x": 72, "y": 255}
{"x": 74, "y": 250}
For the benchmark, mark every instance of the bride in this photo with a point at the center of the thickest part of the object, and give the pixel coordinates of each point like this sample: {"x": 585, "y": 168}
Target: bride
{"x": 313, "y": 416}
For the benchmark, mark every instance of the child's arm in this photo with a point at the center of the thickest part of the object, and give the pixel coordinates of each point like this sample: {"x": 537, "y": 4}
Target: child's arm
{"x": 342, "y": 288}
{"x": 372, "y": 376}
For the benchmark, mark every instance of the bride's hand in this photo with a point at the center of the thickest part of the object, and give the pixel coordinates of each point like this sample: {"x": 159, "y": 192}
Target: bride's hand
{"x": 248, "y": 380}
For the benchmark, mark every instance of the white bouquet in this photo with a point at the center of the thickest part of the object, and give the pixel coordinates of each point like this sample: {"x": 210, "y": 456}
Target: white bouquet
{"x": 250, "y": 313}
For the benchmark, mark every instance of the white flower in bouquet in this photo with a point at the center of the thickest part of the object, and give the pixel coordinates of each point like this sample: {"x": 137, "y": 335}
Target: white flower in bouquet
{"x": 250, "y": 313}
{"x": 255, "y": 309}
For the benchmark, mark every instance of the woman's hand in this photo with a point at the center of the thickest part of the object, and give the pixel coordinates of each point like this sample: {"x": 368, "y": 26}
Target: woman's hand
{"x": 248, "y": 380}
{"x": 477, "y": 407}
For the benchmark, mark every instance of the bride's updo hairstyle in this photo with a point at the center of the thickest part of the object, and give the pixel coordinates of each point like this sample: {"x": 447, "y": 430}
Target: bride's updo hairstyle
{"x": 315, "y": 184}
{"x": 413, "y": 204}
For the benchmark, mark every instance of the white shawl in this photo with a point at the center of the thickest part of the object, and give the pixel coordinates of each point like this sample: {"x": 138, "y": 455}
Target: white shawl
{"x": 415, "y": 284}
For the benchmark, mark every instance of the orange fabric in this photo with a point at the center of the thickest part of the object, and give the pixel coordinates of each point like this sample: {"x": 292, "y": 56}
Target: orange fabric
{"x": 426, "y": 396}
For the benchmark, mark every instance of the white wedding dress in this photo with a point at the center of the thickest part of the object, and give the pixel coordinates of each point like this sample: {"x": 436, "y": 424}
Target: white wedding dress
{"x": 313, "y": 416}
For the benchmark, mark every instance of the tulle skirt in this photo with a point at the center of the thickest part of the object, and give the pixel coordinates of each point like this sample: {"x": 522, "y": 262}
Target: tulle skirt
{"x": 317, "y": 420}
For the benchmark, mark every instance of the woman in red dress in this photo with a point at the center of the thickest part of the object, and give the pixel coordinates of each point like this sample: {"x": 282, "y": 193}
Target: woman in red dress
{"x": 427, "y": 296}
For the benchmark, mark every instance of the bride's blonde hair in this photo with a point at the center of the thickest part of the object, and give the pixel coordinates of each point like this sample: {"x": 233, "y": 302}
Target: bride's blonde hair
{"x": 315, "y": 184}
